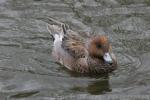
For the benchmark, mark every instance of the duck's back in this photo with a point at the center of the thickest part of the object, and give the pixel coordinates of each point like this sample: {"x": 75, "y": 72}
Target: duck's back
{"x": 68, "y": 49}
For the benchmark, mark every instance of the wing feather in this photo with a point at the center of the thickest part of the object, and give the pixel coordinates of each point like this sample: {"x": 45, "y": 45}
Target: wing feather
{"x": 73, "y": 43}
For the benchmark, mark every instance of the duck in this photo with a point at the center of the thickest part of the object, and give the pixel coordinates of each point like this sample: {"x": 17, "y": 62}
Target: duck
{"x": 89, "y": 54}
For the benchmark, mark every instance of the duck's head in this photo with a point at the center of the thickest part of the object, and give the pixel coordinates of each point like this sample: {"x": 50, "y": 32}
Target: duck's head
{"x": 100, "y": 48}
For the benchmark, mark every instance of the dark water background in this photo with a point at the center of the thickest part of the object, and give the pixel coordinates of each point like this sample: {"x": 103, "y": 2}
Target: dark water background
{"x": 27, "y": 71}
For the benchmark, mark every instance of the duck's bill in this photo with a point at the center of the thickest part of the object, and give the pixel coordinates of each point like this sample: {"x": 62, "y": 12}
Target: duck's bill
{"x": 107, "y": 57}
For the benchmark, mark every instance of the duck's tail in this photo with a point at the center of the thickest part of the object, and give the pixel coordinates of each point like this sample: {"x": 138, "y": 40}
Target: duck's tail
{"x": 57, "y": 29}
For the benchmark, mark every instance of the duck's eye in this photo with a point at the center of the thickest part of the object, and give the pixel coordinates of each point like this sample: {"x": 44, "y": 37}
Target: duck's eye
{"x": 98, "y": 46}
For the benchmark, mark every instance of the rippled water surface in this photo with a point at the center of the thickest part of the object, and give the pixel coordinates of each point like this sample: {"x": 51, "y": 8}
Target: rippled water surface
{"x": 27, "y": 71}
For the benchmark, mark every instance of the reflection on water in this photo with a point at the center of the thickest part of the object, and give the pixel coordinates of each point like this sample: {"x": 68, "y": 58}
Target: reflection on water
{"x": 28, "y": 71}
{"x": 95, "y": 88}
{"x": 99, "y": 87}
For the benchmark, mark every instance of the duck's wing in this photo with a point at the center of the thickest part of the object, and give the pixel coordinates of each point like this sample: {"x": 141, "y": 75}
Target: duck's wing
{"x": 73, "y": 43}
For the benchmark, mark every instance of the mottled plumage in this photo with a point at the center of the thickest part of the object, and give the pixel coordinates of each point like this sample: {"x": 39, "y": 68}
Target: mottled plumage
{"x": 74, "y": 45}
{"x": 84, "y": 55}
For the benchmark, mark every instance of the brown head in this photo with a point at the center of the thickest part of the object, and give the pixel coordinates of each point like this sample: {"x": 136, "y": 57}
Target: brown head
{"x": 100, "y": 48}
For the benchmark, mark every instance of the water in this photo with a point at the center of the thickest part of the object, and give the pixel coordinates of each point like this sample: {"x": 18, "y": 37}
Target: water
{"x": 27, "y": 71}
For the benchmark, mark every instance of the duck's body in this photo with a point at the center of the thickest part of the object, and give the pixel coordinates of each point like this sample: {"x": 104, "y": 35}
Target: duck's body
{"x": 80, "y": 54}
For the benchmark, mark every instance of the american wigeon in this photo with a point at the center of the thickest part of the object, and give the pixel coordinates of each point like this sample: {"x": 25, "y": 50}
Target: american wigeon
{"x": 80, "y": 54}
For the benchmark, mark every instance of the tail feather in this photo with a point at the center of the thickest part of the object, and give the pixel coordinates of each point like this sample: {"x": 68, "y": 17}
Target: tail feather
{"x": 64, "y": 28}
{"x": 53, "y": 21}
{"x": 56, "y": 32}
{"x": 57, "y": 28}
{"x": 49, "y": 30}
